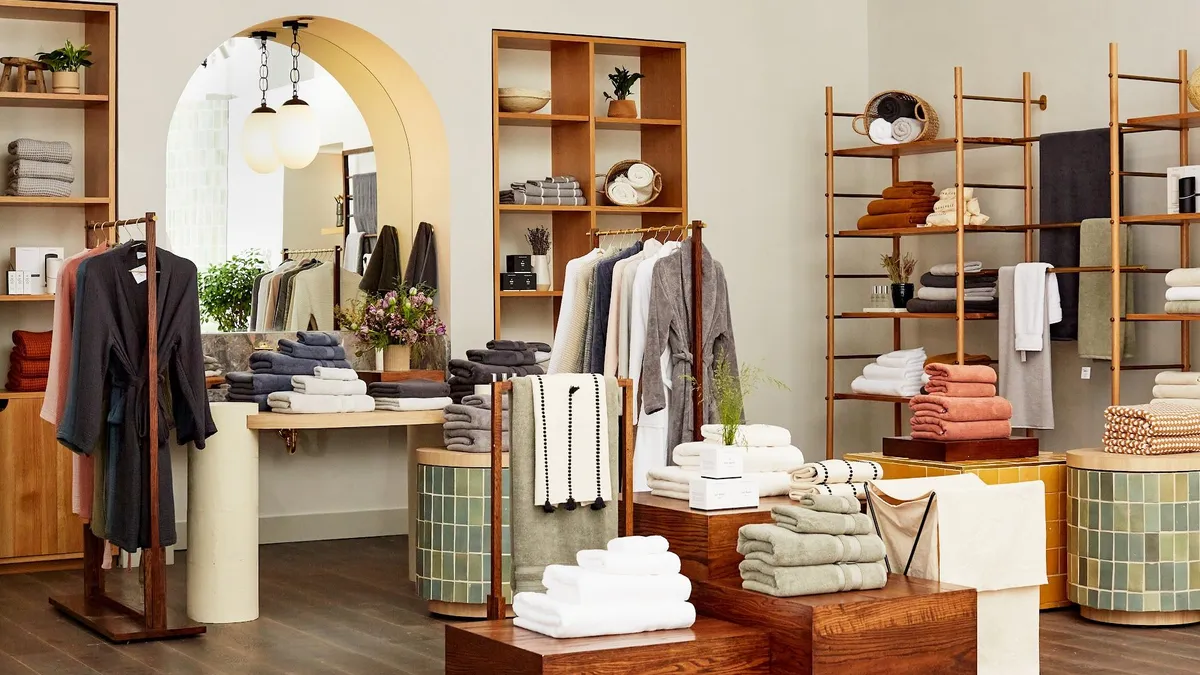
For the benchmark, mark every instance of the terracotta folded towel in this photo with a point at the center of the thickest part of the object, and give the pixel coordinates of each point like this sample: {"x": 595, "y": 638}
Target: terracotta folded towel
{"x": 942, "y": 371}
{"x": 32, "y": 345}
{"x": 936, "y": 428}
{"x": 1153, "y": 419}
{"x": 1153, "y": 445}
{"x": 19, "y": 383}
{"x": 881, "y": 207}
{"x": 960, "y": 389}
{"x": 949, "y": 358}
{"x": 30, "y": 367}
{"x": 891, "y": 220}
{"x": 908, "y": 192}
{"x": 913, "y": 183}
{"x": 959, "y": 409}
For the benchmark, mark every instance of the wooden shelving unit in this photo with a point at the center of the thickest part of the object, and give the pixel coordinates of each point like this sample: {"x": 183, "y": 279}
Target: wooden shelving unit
{"x": 957, "y": 144}
{"x": 45, "y": 533}
{"x": 572, "y": 122}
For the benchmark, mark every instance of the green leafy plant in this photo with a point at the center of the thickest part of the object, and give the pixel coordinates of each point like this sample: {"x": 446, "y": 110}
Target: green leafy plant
{"x": 899, "y": 270}
{"x": 227, "y": 290}
{"x": 729, "y": 390}
{"x": 539, "y": 240}
{"x": 622, "y": 81}
{"x": 68, "y": 58}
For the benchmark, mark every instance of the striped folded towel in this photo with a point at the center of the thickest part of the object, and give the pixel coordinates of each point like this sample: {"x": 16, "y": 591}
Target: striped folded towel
{"x": 42, "y": 151}
{"x": 32, "y": 168}
{"x": 518, "y": 197}
{"x": 38, "y": 187}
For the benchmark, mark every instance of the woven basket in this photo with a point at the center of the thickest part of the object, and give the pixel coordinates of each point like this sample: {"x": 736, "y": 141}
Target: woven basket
{"x": 925, "y": 113}
{"x": 1193, "y": 88}
{"x": 623, "y": 166}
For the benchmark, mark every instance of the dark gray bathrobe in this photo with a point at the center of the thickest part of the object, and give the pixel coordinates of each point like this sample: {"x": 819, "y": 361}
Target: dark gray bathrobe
{"x": 669, "y": 326}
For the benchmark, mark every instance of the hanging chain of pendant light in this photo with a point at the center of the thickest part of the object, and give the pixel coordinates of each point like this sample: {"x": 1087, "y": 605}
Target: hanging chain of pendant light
{"x": 258, "y": 144}
{"x": 264, "y": 70}
{"x": 294, "y": 76}
{"x": 297, "y": 134}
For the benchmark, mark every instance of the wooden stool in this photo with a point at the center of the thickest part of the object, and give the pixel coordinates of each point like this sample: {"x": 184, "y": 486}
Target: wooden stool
{"x": 29, "y": 72}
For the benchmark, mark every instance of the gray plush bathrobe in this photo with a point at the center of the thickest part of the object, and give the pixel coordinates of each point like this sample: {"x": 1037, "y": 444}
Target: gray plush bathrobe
{"x": 669, "y": 326}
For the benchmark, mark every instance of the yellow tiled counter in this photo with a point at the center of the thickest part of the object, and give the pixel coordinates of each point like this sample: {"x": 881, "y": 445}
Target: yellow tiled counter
{"x": 1048, "y": 467}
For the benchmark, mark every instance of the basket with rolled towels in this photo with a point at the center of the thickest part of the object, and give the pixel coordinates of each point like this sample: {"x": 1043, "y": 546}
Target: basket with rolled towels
{"x": 835, "y": 477}
{"x": 961, "y": 405}
{"x": 40, "y": 168}
{"x": 1161, "y": 427}
{"x": 552, "y": 191}
{"x": 633, "y": 586}
{"x": 896, "y": 373}
{"x": 938, "y": 293}
{"x": 904, "y": 204}
{"x": 1183, "y": 291}
{"x": 823, "y": 545}
{"x": 767, "y": 454}
{"x": 945, "y": 210}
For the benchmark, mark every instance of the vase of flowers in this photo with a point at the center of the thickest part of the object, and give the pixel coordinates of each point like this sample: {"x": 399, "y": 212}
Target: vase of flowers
{"x": 539, "y": 244}
{"x": 899, "y": 271}
{"x": 392, "y": 323}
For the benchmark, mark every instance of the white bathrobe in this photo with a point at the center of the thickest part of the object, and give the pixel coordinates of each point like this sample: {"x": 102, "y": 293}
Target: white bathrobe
{"x": 650, "y": 447}
{"x": 650, "y": 250}
{"x": 571, "y": 315}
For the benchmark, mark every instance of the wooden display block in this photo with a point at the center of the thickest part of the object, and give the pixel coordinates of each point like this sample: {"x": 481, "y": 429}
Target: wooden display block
{"x": 910, "y": 627}
{"x": 960, "y": 451}
{"x": 710, "y": 646}
{"x": 705, "y": 541}
{"x": 370, "y": 376}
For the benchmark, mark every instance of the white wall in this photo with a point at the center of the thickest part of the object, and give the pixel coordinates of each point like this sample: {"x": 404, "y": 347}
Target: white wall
{"x": 308, "y": 205}
{"x": 1065, "y": 46}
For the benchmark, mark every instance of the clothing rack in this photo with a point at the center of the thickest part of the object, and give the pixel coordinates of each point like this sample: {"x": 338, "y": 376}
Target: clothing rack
{"x": 496, "y": 607}
{"x": 337, "y": 272}
{"x": 696, "y": 228}
{"x": 102, "y": 613}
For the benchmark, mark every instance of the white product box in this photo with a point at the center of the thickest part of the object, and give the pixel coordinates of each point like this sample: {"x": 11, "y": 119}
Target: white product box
{"x": 25, "y": 258}
{"x": 712, "y": 494}
{"x": 16, "y": 283}
{"x": 722, "y": 461}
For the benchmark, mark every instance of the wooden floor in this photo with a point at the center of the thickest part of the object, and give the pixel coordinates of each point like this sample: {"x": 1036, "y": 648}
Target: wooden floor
{"x": 345, "y": 607}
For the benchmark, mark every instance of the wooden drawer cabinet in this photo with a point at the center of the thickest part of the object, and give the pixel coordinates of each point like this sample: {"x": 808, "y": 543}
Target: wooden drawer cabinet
{"x": 37, "y": 528}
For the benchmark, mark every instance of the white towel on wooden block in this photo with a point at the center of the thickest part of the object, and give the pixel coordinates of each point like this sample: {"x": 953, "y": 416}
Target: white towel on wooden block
{"x": 570, "y": 421}
{"x": 611, "y": 562}
{"x": 754, "y": 459}
{"x": 311, "y": 384}
{"x": 295, "y": 402}
{"x": 327, "y": 373}
{"x": 675, "y": 482}
{"x": 829, "y": 471}
{"x": 654, "y": 543}
{"x": 758, "y": 435}
{"x": 539, "y": 613}
{"x": 577, "y": 586}
{"x": 412, "y": 404}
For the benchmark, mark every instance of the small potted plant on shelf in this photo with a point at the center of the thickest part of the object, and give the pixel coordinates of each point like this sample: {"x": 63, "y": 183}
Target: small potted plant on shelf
{"x": 539, "y": 243}
{"x": 729, "y": 390}
{"x": 392, "y": 324}
{"x": 899, "y": 271}
{"x": 619, "y": 104}
{"x": 65, "y": 63}
{"x": 227, "y": 291}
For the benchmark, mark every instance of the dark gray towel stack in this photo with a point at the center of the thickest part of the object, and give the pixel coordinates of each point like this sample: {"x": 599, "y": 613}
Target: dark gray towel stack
{"x": 502, "y": 357}
{"x": 272, "y": 371}
{"x": 408, "y": 389}
{"x": 256, "y": 386}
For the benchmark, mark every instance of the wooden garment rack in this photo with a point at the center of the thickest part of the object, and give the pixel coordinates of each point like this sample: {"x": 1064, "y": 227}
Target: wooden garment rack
{"x": 496, "y": 606}
{"x": 695, "y": 229}
{"x": 337, "y": 272}
{"x": 109, "y": 617}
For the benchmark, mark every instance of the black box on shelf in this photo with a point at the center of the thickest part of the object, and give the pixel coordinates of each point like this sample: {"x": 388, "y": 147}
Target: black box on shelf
{"x": 515, "y": 264}
{"x": 518, "y": 281}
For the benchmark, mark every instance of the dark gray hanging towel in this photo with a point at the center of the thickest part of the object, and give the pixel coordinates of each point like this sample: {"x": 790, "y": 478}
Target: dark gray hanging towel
{"x": 1074, "y": 186}
{"x": 383, "y": 269}
{"x": 422, "y": 260}
{"x": 364, "y": 209}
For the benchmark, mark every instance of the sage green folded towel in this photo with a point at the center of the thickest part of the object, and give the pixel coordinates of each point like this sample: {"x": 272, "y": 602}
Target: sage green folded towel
{"x": 830, "y": 503}
{"x": 776, "y": 546}
{"x": 808, "y": 521}
{"x": 786, "y": 582}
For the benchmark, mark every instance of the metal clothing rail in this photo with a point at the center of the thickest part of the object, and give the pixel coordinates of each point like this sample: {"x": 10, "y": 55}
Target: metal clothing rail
{"x": 337, "y": 273}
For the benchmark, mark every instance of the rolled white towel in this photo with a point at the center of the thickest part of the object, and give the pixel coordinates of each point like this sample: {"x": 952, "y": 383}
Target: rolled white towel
{"x": 577, "y": 586}
{"x": 640, "y": 175}
{"x": 907, "y": 129}
{"x": 947, "y": 269}
{"x": 539, "y": 613}
{"x": 638, "y": 544}
{"x": 948, "y": 193}
{"x": 622, "y": 193}
{"x": 874, "y": 371}
{"x": 880, "y": 131}
{"x": 760, "y": 435}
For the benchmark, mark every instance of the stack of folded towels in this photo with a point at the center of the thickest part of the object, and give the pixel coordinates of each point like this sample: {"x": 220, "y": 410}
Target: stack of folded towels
{"x": 905, "y": 204}
{"x": 823, "y": 545}
{"x": 896, "y": 373}
{"x": 1183, "y": 291}
{"x": 464, "y": 375}
{"x": 41, "y": 168}
{"x": 1160, "y": 427}
{"x": 271, "y": 372}
{"x": 938, "y": 295}
{"x": 327, "y": 390}
{"x": 1177, "y": 387}
{"x": 468, "y": 425}
{"x": 945, "y": 211}
{"x": 833, "y": 477}
{"x": 768, "y": 459}
{"x": 634, "y": 586}
{"x": 961, "y": 405}
{"x": 554, "y": 190}
{"x": 29, "y": 362}
{"x": 212, "y": 367}
{"x": 410, "y": 395}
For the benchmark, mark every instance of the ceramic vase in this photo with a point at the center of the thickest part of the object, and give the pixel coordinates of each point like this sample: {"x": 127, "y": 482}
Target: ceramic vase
{"x": 396, "y": 357}
{"x": 626, "y": 108}
{"x": 901, "y": 294}
{"x": 541, "y": 268}
{"x": 66, "y": 82}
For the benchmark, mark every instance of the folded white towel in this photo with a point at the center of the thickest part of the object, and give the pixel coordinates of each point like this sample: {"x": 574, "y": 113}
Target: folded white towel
{"x": 903, "y": 358}
{"x": 948, "y": 193}
{"x": 654, "y": 543}
{"x": 327, "y": 373}
{"x": 676, "y": 481}
{"x": 948, "y": 270}
{"x": 628, "y": 564}
{"x": 756, "y": 459}
{"x": 829, "y": 471}
{"x": 862, "y": 385}
{"x": 621, "y": 193}
{"x": 412, "y": 404}
{"x": 539, "y": 613}
{"x": 949, "y": 219}
{"x": 1175, "y": 377}
{"x": 1177, "y": 401}
{"x": 874, "y": 371}
{"x": 1184, "y": 276}
{"x": 1183, "y": 293}
{"x": 880, "y": 131}
{"x": 855, "y": 490}
{"x": 907, "y": 129}
{"x": 971, "y": 207}
{"x": 1191, "y": 391}
{"x": 541, "y": 357}
{"x": 759, "y": 435}
{"x": 311, "y": 384}
{"x": 969, "y": 294}
{"x": 640, "y": 175}
{"x": 577, "y": 586}
{"x": 295, "y": 402}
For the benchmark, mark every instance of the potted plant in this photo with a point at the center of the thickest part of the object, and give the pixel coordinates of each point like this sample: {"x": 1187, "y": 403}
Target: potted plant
{"x": 227, "y": 291}
{"x": 65, "y": 63}
{"x": 539, "y": 243}
{"x": 899, "y": 271}
{"x": 619, "y": 104}
{"x": 393, "y": 323}
{"x": 729, "y": 392}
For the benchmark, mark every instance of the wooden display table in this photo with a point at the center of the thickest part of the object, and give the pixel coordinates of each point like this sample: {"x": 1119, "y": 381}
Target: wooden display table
{"x": 706, "y": 541}
{"x": 1048, "y": 467}
{"x": 1134, "y": 537}
{"x": 710, "y": 646}
{"x": 910, "y": 627}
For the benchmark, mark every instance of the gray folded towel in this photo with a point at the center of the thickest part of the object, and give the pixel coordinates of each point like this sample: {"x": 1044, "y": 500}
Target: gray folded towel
{"x": 542, "y": 189}
{"x": 42, "y": 151}
{"x": 32, "y": 168}
{"x": 319, "y": 338}
{"x": 777, "y": 546}
{"x": 830, "y": 503}
{"x": 969, "y": 281}
{"x": 470, "y": 417}
{"x": 38, "y": 187}
{"x": 519, "y": 197}
{"x": 471, "y": 440}
{"x": 559, "y": 180}
{"x": 283, "y": 364}
{"x": 409, "y": 389}
{"x": 786, "y": 582}
{"x": 258, "y": 383}
{"x": 808, "y": 521}
{"x": 301, "y": 350}
{"x": 469, "y": 372}
{"x": 483, "y": 401}
{"x": 501, "y": 357}
{"x": 518, "y": 345}
{"x": 260, "y": 399}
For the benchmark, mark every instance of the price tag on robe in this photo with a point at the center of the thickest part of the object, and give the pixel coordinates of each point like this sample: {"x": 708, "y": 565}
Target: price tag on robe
{"x": 139, "y": 273}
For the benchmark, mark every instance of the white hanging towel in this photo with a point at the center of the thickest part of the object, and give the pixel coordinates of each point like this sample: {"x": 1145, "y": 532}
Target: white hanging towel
{"x": 571, "y": 441}
{"x": 1035, "y": 293}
